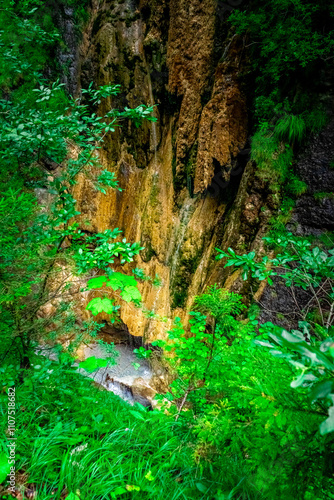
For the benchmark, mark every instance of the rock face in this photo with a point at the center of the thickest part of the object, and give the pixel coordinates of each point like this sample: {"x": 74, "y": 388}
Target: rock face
{"x": 314, "y": 213}
{"x": 187, "y": 186}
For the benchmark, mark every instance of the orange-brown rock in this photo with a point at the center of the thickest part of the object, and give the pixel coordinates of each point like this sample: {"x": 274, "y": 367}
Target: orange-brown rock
{"x": 165, "y": 52}
{"x": 223, "y": 126}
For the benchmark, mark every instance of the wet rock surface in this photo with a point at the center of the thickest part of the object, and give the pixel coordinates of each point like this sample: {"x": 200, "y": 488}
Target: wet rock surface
{"x": 125, "y": 378}
{"x": 166, "y": 53}
{"x": 314, "y": 212}
{"x": 188, "y": 186}
{"x": 313, "y": 215}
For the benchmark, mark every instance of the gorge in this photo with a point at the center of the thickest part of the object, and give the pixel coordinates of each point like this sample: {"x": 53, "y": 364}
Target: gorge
{"x": 167, "y": 208}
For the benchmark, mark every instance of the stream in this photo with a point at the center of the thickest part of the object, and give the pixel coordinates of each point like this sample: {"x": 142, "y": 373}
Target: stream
{"x": 123, "y": 379}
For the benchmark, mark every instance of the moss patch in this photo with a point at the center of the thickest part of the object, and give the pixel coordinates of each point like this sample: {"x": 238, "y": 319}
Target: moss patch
{"x": 182, "y": 279}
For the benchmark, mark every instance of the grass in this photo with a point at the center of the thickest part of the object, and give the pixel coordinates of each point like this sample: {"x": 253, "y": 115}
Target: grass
{"x": 273, "y": 159}
{"x": 290, "y": 128}
{"x": 74, "y": 437}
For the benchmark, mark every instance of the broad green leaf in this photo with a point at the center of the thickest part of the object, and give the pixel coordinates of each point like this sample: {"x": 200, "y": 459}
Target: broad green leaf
{"x": 4, "y": 467}
{"x": 321, "y": 390}
{"x": 72, "y": 496}
{"x": 92, "y": 364}
{"x": 201, "y": 487}
{"x": 138, "y": 415}
{"x": 118, "y": 491}
{"x": 131, "y": 293}
{"x": 97, "y": 282}
{"x": 99, "y": 305}
{"x": 119, "y": 280}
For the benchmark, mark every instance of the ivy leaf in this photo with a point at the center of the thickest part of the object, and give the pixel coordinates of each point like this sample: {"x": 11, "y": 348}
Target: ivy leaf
{"x": 99, "y": 305}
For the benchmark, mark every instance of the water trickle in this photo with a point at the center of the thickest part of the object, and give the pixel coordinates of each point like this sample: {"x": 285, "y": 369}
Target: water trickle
{"x": 185, "y": 216}
{"x": 120, "y": 377}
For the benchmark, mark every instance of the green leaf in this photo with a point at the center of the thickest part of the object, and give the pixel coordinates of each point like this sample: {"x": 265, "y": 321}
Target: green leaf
{"x": 299, "y": 381}
{"x": 138, "y": 415}
{"x": 119, "y": 280}
{"x": 321, "y": 390}
{"x": 99, "y": 305}
{"x": 92, "y": 364}
{"x": 72, "y": 496}
{"x": 97, "y": 282}
{"x": 201, "y": 487}
{"x": 131, "y": 293}
{"x": 4, "y": 467}
{"x": 118, "y": 491}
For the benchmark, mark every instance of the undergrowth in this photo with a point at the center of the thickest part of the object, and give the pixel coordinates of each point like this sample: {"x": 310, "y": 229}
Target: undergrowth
{"x": 75, "y": 437}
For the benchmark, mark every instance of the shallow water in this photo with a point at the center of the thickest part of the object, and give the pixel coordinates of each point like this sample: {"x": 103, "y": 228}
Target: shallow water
{"x": 120, "y": 377}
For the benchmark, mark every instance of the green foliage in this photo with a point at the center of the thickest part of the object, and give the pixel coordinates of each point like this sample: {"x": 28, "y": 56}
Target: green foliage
{"x": 140, "y": 274}
{"x": 105, "y": 252}
{"x": 241, "y": 407}
{"x": 75, "y": 436}
{"x": 92, "y": 364}
{"x": 142, "y": 353}
{"x": 322, "y": 196}
{"x": 311, "y": 269}
{"x": 316, "y": 119}
{"x": 99, "y": 305}
{"x": 289, "y": 45}
{"x": 295, "y": 186}
{"x": 197, "y": 357}
{"x": 314, "y": 358}
{"x": 290, "y": 128}
{"x": 47, "y": 139}
{"x": 24, "y": 44}
{"x": 273, "y": 159}
{"x": 298, "y": 264}
{"x": 117, "y": 281}
{"x": 102, "y": 92}
{"x": 106, "y": 180}
{"x": 4, "y": 467}
{"x": 288, "y": 42}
